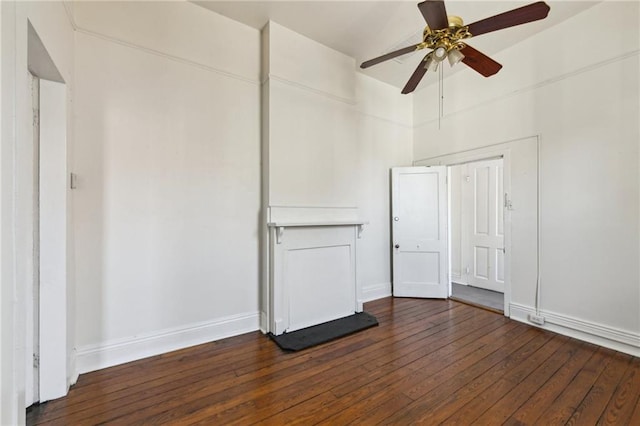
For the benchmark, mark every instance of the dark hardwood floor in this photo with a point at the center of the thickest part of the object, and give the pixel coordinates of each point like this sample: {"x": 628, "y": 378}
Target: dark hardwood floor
{"x": 429, "y": 361}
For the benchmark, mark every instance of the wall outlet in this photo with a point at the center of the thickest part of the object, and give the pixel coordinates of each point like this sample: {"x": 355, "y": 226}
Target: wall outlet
{"x": 536, "y": 319}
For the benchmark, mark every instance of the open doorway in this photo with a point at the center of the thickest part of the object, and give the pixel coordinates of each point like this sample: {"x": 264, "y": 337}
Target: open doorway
{"x": 44, "y": 198}
{"x": 476, "y": 233}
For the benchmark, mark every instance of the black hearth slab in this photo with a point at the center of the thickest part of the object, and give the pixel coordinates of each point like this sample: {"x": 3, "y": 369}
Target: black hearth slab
{"x": 325, "y": 332}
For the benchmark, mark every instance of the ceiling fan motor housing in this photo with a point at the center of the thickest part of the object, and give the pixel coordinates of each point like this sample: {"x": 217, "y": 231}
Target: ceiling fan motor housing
{"x": 449, "y": 38}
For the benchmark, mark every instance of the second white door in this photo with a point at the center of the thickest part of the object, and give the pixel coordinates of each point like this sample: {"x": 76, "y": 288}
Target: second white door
{"x": 483, "y": 211}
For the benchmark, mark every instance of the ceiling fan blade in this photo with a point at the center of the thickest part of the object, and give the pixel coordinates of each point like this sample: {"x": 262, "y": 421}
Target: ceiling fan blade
{"x": 416, "y": 76}
{"x": 479, "y": 61}
{"x": 390, "y": 55}
{"x": 435, "y": 13}
{"x": 521, "y": 15}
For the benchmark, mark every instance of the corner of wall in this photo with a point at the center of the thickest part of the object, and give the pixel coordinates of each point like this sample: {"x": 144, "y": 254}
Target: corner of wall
{"x": 376, "y": 291}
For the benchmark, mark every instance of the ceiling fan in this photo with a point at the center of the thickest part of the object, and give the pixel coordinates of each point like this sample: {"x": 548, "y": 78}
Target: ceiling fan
{"x": 445, "y": 35}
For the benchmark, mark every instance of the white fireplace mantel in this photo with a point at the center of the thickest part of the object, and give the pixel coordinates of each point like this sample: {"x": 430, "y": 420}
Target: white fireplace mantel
{"x": 312, "y": 268}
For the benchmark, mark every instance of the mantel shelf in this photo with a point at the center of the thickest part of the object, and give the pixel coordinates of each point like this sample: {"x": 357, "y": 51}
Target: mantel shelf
{"x": 280, "y": 226}
{"x": 331, "y": 223}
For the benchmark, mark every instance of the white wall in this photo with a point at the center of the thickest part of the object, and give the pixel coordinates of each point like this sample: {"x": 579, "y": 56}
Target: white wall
{"x": 330, "y": 137}
{"x": 312, "y": 143}
{"x": 168, "y": 165}
{"x": 50, "y": 21}
{"x": 582, "y": 101}
{"x": 384, "y": 141}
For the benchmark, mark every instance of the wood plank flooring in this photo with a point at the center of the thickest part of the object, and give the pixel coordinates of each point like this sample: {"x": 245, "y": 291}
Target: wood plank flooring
{"x": 428, "y": 362}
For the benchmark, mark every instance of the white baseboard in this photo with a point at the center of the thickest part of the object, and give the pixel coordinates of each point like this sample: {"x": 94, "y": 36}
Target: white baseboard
{"x": 95, "y": 357}
{"x": 376, "y": 291}
{"x": 609, "y": 337}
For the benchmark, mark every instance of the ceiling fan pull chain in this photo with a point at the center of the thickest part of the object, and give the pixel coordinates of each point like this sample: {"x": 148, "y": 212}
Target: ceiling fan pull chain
{"x": 440, "y": 96}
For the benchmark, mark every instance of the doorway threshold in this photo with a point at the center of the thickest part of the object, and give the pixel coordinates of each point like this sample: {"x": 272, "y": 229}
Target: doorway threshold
{"x": 478, "y": 297}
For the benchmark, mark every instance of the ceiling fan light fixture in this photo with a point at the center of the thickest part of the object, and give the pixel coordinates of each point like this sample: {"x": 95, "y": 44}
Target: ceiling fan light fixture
{"x": 440, "y": 53}
{"x": 455, "y": 56}
{"x": 428, "y": 61}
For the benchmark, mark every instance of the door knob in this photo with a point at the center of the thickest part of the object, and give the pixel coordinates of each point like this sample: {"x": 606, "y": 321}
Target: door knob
{"x": 396, "y": 218}
{"x": 397, "y": 246}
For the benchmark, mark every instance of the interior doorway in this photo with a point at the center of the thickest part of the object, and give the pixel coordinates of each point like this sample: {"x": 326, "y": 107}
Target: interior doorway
{"x": 477, "y": 204}
{"x": 44, "y": 198}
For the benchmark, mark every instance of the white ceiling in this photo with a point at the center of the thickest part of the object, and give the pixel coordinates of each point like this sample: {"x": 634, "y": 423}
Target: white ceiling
{"x": 366, "y": 29}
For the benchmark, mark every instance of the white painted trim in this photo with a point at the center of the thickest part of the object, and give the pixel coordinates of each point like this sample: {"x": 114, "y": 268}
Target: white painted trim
{"x": 68, "y": 9}
{"x": 167, "y": 56}
{"x": 72, "y": 371}
{"x": 348, "y": 101}
{"x": 316, "y": 223}
{"x": 308, "y": 214}
{"x": 609, "y": 337}
{"x": 95, "y": 357}
{"x": 486, "y": 152}
{"x": 328, "y": 95}
{"x": 264, "y": 322}
{"x": 383, "y": 119}
{"x": 375, "y": 292}
{"x": 11, "y": 402}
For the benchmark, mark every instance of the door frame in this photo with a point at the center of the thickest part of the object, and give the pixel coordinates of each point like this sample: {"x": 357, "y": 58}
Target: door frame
{"x": 482, "y": 154}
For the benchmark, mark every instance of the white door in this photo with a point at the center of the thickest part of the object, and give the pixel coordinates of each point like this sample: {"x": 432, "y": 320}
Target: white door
{"x": 33, "y": 281}
{"x": 484, "y": 213}
{"x": 419, "y": 230}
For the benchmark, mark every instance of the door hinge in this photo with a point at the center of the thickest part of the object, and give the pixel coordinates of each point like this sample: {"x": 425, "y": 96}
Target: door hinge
{"x": 36, "y": 361}
{"x": 507, "y": 202}
{"x": 36, "y": 117}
